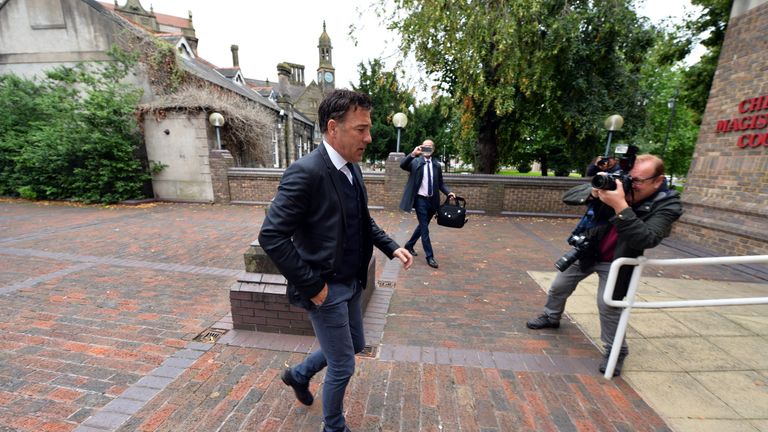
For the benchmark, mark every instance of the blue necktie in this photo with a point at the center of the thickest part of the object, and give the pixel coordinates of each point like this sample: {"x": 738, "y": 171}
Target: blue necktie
{"x": 429, "y": 178}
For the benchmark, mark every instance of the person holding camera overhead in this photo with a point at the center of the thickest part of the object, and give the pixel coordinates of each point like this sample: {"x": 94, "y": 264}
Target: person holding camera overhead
{"x": 420, "y": 192}
{"x": 628, "y": 212}
{"x": 603, "y": 163}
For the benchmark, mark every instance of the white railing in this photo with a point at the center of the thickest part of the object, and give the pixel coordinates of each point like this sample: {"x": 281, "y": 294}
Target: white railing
{"x": 629, "y": 301}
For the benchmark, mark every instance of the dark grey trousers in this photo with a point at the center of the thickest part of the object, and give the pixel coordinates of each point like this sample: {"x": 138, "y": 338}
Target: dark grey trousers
{"x": 564, "y": 285}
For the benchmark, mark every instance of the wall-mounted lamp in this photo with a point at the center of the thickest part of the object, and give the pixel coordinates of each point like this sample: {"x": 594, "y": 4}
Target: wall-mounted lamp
{"x": 217, "y": 121}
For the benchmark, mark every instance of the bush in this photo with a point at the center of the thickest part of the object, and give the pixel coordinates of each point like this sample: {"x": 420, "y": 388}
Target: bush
{"x": 72, "y": 135}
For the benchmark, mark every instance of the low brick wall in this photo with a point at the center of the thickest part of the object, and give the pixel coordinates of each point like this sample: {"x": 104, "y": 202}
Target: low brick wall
{"x": 492, "y": 194}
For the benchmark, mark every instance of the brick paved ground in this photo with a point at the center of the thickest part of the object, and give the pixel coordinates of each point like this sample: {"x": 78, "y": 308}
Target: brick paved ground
{"x": 99, "y": 306}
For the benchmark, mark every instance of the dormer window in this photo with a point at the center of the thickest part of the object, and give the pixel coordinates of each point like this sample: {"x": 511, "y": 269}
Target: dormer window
{"x": 184, "y": 50}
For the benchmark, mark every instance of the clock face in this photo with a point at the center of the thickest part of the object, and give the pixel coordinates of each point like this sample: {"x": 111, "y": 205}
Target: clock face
{"x": 328, "y": 77}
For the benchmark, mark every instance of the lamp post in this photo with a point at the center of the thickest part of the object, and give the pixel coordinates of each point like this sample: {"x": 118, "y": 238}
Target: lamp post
{"x": 612, "y": 123}
{"x": 399, "y": 120}
{"x": 217, "y": 121}
{"x": 672, "y": 105}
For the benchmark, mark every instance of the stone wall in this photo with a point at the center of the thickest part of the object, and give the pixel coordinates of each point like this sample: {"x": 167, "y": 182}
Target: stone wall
{"x": 181, "y": 140}
{"x": 726, "y": 194}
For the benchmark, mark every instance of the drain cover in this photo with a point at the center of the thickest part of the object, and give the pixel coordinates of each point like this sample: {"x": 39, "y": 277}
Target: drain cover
{"x": 369, "y": 351}
{"x": 210, "y": 335}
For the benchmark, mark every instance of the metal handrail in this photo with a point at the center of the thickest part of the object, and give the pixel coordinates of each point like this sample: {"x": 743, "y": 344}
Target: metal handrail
{"x": 629, "y": 302}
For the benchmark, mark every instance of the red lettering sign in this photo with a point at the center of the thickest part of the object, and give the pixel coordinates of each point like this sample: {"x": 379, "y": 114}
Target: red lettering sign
{"x": 750, "y": 122}
{"x": 761, "y": 140}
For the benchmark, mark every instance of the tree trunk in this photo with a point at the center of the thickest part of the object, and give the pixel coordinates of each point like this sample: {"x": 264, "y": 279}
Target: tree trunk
{"x": 487, "y": 143}
{"x": 544, "y": 165}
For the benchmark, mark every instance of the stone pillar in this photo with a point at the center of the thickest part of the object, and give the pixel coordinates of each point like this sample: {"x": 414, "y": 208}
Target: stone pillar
{"x": 257, "y": 261}
{"x": 394, "y": 180}
{"x": 220, "y": 161}
{"x": 495, "y": 198}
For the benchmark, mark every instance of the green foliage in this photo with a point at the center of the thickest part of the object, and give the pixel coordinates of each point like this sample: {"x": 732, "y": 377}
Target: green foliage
{"x": 710, "y": 27}
{"x": 388, "y": 98}
{"x": 71, "y": 135}
{"x": 156, "y": 167}
{"x": 166, "y": 75}
{"x": 436, "y": 120}
{"x": 667, "y": 133}
{"x": 524, "y": 168}
{"x": 532, "y": 79}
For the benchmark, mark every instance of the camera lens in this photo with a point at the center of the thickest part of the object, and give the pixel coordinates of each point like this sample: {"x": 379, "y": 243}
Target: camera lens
{"x": 604, "y": 182}
{"x": 566, "y": 260}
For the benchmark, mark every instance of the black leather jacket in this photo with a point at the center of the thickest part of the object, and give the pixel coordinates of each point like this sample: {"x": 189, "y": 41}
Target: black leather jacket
{"x": 640, "y": 227}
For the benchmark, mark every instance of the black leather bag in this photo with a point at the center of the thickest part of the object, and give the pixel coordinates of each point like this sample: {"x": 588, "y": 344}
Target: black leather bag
{"x": 452, "y": 215}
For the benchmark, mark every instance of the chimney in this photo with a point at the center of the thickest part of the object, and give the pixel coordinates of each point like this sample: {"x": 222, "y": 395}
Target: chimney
{"x": 235, "y": 59}
{"x": 283, "y": 78}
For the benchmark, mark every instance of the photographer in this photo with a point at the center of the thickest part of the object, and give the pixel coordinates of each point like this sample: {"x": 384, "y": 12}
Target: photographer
{"x": 631, "y": 213}
{"x": 603, "y": 164}
{"x": 422, "y": 192}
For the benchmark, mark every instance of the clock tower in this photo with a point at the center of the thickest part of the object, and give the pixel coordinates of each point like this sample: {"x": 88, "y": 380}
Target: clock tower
{"x": 326, "y": 74}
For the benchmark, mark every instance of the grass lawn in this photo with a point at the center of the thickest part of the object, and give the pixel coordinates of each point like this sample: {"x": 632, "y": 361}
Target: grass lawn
{"x": 531, "y": 173}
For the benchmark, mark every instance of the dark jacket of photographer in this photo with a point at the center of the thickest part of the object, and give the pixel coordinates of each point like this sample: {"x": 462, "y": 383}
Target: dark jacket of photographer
{"x": 640, "y": 226}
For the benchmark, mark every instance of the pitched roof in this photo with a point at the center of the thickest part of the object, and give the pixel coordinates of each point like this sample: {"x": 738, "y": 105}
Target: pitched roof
{"x": 173, "y": 21}
{"x": 199, "y": 67}
{"x": 167, "y": 20}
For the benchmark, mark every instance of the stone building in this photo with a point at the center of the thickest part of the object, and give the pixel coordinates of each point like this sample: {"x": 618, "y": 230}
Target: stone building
{"x": 38, "y": 35}
{"x": 726, "y": 193}
{"x": 291, "y": 92}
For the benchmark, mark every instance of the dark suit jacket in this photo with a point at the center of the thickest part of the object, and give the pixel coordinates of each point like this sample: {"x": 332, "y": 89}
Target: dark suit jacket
{"x": 416, "y": 167}
{"x": 303, "y": 232}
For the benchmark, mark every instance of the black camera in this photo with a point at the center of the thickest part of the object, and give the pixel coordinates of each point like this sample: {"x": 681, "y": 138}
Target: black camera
{"x": 580, "y": 246}
{"x": 608, "y": 181}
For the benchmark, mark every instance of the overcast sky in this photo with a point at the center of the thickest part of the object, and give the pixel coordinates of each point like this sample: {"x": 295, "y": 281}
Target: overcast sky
{"x": 270, "y": 33}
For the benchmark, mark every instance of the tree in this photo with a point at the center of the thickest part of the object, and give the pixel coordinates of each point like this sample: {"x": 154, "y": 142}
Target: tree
{"x": 529, "y": 69}
{"x": 671, "y": 135}
{"x": 711, "y": 24}
{"x": 388, "y": 98}
{"x": 72, "y": 135}
{"x": 435, "y": 120}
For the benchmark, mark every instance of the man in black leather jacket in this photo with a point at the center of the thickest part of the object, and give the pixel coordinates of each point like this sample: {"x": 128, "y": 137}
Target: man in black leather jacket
{"x": 632, "y": 222}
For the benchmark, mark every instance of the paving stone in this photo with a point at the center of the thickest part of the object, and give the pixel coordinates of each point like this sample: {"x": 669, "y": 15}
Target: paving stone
{"x": 111, "y": 298}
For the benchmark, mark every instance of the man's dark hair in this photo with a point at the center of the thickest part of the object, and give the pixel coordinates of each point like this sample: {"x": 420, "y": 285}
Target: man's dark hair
{"x": 338, "y": 102}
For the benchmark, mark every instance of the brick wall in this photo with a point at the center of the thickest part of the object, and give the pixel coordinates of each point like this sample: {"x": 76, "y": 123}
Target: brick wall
{"x": 220, "y": 162}
{"x": 491, "y": 194}
{"x": 726, "y": 194}
{"x": 253, "y": 185}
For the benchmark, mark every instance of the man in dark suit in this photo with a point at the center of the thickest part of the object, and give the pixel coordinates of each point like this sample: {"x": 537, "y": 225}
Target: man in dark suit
{"x": 319, "y": 234}
{"x": 420, "y": 192}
